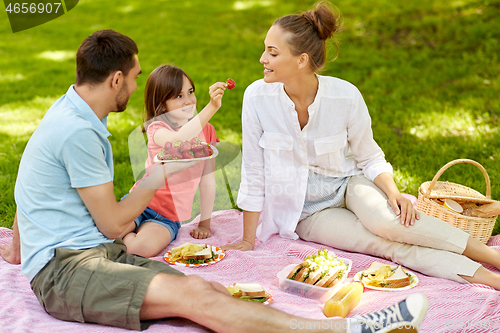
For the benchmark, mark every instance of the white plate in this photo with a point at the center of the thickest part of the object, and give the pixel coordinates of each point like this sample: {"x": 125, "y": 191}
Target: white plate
{"x": 413, "y": 282}
{"x": 215, "y": 153}
{"x": 219, "y": 254}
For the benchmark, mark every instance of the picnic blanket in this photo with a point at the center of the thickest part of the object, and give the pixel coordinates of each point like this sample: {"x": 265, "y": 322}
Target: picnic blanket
{"x": 453, "y": 307}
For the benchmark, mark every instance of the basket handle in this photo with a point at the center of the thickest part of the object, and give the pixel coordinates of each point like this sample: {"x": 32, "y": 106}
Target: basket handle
{"x": 449, "y": 164}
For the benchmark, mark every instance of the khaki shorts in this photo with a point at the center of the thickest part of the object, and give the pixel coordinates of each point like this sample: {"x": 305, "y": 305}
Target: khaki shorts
{"x": 102, "y": 285}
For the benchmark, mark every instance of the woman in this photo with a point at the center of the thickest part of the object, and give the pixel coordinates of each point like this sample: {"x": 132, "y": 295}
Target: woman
{"x": 311, "y": 165}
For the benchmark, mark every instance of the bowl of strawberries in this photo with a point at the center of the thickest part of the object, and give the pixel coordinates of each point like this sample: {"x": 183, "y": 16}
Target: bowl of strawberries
{"x": 186, "y": 150}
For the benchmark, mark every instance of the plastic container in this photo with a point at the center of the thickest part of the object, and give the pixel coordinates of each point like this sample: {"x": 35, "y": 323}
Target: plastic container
{"x": 308, "y": 290}
{"x": 344, "y": 300}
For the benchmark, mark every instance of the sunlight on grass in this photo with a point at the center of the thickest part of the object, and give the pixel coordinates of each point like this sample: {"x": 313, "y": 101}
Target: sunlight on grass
{"x": 126, "y": 9}
{"x": 404, "y": 180}
{"x": 229, "y": 135}
{"x": 459, "y": 123}
{"x": 21, "y": 119}
{"x": 4, "y": 78}
{"x": 57, "y": 55}
{"x": 244, "y": 5}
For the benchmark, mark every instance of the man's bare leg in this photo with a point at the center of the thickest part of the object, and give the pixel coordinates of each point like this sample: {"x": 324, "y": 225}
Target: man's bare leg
{"x": 209, "y": 304}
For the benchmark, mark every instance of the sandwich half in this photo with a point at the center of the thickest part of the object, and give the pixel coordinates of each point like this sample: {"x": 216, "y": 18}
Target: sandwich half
{"x": 397, "y": 280}
{"x": 248, "y": 292}
{"x": 206, "y": 253}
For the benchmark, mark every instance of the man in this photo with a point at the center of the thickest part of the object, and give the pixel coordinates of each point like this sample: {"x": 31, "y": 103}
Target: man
{"x": 68, "y": 222}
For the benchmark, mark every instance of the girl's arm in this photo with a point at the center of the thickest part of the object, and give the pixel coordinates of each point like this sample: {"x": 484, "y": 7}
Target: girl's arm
{"x": 207, "y": 198}
{"x": 193, "y": 127}
{"x": 401, "y": 206}
{"x": 250, "y": 222}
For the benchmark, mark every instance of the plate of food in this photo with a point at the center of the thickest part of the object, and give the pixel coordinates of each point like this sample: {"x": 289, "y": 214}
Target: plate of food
{"x": 252, "y": 292}
{"x": 379, "y": 276}
{"x": 194, "y": 255}
{"x": 186, "y": 150}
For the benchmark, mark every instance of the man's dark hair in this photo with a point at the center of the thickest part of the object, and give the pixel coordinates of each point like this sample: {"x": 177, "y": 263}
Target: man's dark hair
{"x": 102, "y": 53}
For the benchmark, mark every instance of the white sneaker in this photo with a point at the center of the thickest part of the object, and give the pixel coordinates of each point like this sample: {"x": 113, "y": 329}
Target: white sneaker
{"x": 405, "y": 316}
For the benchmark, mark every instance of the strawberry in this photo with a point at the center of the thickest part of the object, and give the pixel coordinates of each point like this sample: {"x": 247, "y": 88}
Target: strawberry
{"x": 195, "y": 140}
{"x": 176, "y": 143}
{"x": 230, "y": 83}
{"x": 207, "y": 150}
{"x": 172, "y": 150}
{"x": 188, "y": 154}
{"x": 167, "y": 157}
{"x": 168, "y": 144}
{"x": 185, "y": 146}
{"x": 199, "y": 154}
{"x": 197, "y": 147}
{"x": 177, "y": 156}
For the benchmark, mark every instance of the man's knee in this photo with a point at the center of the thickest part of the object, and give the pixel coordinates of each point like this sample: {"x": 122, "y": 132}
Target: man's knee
{"x": 187, "y": 284}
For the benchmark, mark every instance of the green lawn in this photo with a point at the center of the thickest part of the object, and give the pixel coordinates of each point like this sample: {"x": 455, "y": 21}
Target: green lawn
{"x": 429, "y": 71}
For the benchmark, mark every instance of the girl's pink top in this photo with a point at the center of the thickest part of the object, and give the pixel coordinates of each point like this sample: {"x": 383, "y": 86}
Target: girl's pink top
{"x": 176, "y": 199}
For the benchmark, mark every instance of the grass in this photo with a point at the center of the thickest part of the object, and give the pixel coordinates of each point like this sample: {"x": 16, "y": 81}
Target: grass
{"x": 429, "y": 72}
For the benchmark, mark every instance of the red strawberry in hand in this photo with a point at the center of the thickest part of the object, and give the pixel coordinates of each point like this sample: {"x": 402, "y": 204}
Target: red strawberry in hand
{"x": 230, "y": 83}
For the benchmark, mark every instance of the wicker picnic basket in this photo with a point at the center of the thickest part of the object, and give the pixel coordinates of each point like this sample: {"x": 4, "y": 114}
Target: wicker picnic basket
{"x": 478, "y": 227}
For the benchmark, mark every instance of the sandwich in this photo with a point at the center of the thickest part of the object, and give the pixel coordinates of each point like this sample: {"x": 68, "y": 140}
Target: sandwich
{"x": 322, "y": 270}
{"x": 203, "y": 254}
{"x": 397, "y": 280}
{"x": 200, "y": 257}
{"x": 192, "y": 253}
{"x": 375, "y": 266}
{"x": 248, "y": 292}
{"x": 385, "y": 276}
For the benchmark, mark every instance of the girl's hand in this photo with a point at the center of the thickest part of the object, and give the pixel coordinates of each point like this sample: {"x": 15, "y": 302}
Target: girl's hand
{"x": 216, "y": 91}
{"x": 243, "y": 246}
{"x": 404, "y": 208}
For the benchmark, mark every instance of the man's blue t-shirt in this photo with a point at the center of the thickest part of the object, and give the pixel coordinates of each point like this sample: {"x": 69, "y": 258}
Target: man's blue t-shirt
{"x": 69, "y": 149}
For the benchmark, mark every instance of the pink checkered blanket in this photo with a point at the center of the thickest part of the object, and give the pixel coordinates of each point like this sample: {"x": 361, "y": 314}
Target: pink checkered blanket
{"x": 453, "y": 307}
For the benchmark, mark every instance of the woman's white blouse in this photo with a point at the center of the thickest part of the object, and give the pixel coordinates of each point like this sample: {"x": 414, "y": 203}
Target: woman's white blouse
{"x": 337, "y": 141}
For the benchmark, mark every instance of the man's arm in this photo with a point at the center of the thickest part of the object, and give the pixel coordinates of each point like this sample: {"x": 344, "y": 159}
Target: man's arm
{"x": 12, "y": 253}
{"x": 112, "y": 218}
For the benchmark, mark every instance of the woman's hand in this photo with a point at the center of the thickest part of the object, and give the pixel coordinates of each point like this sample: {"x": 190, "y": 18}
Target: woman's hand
{"x": 404, "y": 208}
{"x": 216, "y": 91}
{"x": 243, "y": 246}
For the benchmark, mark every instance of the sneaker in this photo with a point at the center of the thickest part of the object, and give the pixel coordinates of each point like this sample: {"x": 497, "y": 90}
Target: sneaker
{"x": 405, "y": 316}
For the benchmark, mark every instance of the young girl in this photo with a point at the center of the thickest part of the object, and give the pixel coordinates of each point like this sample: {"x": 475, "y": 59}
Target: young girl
{"x": 170, "y": 104}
